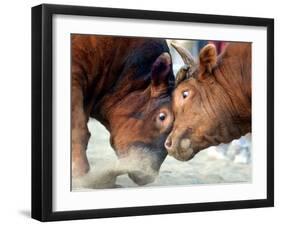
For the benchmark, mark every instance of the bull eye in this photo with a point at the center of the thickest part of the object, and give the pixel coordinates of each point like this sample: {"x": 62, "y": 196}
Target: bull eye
{"x": 185, "y": 94}
{"x": 162, "y": 116}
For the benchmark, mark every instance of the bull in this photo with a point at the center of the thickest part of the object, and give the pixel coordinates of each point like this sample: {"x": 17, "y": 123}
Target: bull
{"x": 126, "y": 84}
{"x": 212, "y": 99}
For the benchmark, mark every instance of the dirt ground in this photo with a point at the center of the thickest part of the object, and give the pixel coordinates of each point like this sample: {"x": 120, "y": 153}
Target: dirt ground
{"x": 210, "y": 166}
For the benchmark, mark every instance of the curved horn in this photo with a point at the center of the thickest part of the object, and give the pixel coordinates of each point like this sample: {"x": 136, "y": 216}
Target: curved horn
{"x": 185, "y": 55}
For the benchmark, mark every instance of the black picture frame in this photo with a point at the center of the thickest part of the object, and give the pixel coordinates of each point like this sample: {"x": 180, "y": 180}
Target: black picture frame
{"x": 42, "y": 108}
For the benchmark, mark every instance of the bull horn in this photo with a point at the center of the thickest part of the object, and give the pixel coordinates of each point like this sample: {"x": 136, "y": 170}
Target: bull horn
{"x": 189, "y": 63}
{"x": 185, "y": 55}
{"x": 182, "y": 74}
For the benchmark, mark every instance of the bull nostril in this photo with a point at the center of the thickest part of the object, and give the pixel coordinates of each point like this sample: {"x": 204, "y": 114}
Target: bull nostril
{"x": 168, "y": 143}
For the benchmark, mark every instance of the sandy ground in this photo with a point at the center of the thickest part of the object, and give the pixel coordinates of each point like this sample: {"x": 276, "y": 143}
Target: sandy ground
{"x": 207, "y": 167}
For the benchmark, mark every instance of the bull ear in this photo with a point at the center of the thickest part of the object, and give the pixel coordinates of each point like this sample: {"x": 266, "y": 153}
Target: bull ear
{"x": 160, "y": 72}
{"x": 207, "y": 59}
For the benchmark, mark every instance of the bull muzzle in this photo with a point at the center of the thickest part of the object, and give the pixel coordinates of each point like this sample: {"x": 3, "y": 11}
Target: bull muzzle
{"x": 143, "y": 163}
{"x": 179, "y": 148}
{"x": 142, "y": 178}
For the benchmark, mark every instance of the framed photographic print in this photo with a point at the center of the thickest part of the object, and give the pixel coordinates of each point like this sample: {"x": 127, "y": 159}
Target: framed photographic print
{"x": 147, "y": 112}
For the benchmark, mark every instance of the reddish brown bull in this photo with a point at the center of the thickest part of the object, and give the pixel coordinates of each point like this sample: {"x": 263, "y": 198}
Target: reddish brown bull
{"x": 212, "y": 105}
{"x": 126, "y": 84}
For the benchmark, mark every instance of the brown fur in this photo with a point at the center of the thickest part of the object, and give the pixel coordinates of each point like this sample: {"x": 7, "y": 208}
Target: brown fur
{"x": 218, "y": 107}
{"x": 124, "y": 83}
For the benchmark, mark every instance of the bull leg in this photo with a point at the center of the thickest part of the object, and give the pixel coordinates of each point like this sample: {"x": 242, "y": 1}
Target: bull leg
{"x": 80, "y": 133}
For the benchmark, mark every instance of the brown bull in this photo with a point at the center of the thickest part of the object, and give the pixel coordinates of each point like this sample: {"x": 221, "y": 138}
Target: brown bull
{"x": 126, "y": 84}
{"x": 212, "y": 100}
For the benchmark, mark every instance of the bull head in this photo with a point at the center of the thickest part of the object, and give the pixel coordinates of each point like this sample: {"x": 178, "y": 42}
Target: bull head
{"x": 187, "y": 104}
{"x": 141, "y": 122}
{"x": 214, "y": 105}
